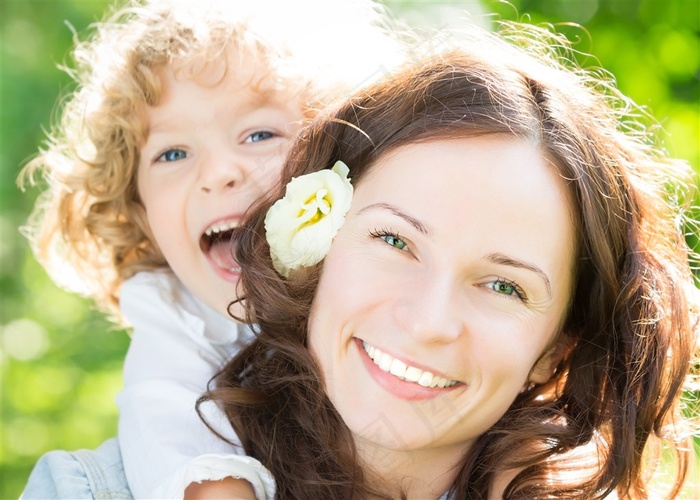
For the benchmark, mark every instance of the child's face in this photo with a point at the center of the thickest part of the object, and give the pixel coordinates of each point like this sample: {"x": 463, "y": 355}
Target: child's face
{"x": 211, "y": 151}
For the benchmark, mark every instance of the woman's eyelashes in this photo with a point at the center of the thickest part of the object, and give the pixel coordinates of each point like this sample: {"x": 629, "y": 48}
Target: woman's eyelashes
{"x": 391, "y": 238}
{"x": 501, "y": 286}
{"x": 507, "y": 288}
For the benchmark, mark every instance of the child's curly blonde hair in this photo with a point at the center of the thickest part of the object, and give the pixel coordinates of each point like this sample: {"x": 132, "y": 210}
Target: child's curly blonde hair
{"x": 89, "y": 228}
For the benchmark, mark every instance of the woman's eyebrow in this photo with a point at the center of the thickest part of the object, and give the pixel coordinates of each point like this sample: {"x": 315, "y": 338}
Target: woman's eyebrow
{"x": 399, "y": 213}
{"x": 499, "y": 258}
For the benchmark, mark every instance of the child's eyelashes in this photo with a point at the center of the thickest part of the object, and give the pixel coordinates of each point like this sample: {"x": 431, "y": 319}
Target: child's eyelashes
{"x": 508, "y": 288}
{"x": 170, "y": 155}
{"x": 260, "y": 135}
{"x": 391, "y": 238}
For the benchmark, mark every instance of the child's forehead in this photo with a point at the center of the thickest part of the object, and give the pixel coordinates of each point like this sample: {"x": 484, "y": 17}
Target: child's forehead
{"x": 250, "y": 74}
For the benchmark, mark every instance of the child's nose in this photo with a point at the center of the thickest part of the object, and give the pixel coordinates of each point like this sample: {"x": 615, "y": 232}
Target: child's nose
{"x": 217, "y": 174}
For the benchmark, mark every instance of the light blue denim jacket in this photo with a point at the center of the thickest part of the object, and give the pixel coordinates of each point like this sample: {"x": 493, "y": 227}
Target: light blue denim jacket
{"x": 79, "y": 475}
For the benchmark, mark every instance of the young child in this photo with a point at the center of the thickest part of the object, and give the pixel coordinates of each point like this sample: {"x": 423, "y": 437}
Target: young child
{"x": 181, "y": 119}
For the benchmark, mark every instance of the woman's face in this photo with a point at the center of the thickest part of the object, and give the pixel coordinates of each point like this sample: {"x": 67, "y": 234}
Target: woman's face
{"x": 443, "y": 293}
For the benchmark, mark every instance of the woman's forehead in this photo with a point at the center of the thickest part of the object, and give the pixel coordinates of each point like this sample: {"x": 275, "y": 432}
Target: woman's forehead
{"x": 495, "y": 193}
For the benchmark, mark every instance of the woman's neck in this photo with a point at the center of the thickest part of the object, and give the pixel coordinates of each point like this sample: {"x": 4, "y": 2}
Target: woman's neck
{"x": 425, "y": 473}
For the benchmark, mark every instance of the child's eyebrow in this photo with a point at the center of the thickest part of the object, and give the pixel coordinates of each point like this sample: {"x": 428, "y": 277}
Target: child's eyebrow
{"x": 262, "y": 92}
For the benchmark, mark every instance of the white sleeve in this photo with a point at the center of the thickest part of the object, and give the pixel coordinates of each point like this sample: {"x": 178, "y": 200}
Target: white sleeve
{"x": 165, "y": 445}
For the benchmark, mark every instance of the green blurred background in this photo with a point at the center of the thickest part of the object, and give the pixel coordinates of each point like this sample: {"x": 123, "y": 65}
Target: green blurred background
{"x": 60, "y": 361}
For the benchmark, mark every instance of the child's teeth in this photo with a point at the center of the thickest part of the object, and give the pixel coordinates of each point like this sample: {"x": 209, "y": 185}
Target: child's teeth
{"x": 220, "y": 228}
{"x": 408, "y": 373}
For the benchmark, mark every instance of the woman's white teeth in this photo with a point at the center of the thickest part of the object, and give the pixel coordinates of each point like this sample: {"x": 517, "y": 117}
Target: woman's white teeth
{"x": 220, "y": 227}
{"x": 401, "y": 370}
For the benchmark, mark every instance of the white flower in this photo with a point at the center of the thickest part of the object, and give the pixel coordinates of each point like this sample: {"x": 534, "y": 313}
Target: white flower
{"x": 301, "y": 226}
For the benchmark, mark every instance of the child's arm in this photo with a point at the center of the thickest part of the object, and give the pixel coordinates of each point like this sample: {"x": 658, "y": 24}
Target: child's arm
{"x": 215, "y": 490}
{"x": 165, "y": 445}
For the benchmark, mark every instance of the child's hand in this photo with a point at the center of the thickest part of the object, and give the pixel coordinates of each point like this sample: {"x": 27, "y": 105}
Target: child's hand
{"x": 229, "y": 488}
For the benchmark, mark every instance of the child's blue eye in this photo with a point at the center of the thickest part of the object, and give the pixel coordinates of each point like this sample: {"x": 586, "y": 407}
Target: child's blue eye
{"x": 263, "y": 135}
{"x": 172, "y": 155}
{"x": 503, "y": 286}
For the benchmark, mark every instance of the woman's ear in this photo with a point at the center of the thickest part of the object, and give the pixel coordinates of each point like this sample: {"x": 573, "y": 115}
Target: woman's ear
{"x": 545, "y": 366}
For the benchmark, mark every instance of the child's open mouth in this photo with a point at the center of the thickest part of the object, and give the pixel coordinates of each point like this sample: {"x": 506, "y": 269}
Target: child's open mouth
{"x": 218, "y": 243}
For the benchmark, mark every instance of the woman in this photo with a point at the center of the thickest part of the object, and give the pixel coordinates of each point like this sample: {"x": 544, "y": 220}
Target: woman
{"x": 505, "y": 311}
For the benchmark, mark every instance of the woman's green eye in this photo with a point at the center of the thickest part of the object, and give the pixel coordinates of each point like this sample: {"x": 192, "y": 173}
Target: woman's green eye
{"x": 508, "y": 288}
{"x": 394, "y": 241}
{"x": 503, "y": 287}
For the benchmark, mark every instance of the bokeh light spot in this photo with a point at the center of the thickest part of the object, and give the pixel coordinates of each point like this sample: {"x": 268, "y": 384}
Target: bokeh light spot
{"x": 96, "y": 393}
{"x": 24, "y": 339}
{"x": 678, "y": 52}
{"x": 578, "y": 12}
{"x": 27, "y": 435}
{"x": 25, "y": 53}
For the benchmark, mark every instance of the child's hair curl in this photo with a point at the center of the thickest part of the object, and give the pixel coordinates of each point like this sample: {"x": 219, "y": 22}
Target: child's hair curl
{"x": 89, "y": 228}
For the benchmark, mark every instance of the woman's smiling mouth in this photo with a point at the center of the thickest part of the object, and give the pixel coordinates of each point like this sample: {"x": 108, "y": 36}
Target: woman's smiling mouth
{"x": 405, "y": 372}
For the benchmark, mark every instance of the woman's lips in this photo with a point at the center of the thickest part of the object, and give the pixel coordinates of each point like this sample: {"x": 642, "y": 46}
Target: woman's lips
{"x": 401, "y": 379}
{"x": 403, "y": 371}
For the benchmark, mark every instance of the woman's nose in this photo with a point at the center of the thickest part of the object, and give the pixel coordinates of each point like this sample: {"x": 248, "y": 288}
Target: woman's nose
{"x": 432, "y": 312}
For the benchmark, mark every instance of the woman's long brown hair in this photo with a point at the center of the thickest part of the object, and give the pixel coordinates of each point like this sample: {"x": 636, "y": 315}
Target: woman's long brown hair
{"x": 616, "y": 393}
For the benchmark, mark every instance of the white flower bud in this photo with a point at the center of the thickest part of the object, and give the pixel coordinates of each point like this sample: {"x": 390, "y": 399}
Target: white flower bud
{"x": 301, "y": 226}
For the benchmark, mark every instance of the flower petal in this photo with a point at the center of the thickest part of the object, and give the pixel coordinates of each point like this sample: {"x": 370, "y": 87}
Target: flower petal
{"x": 301, "y": 226}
